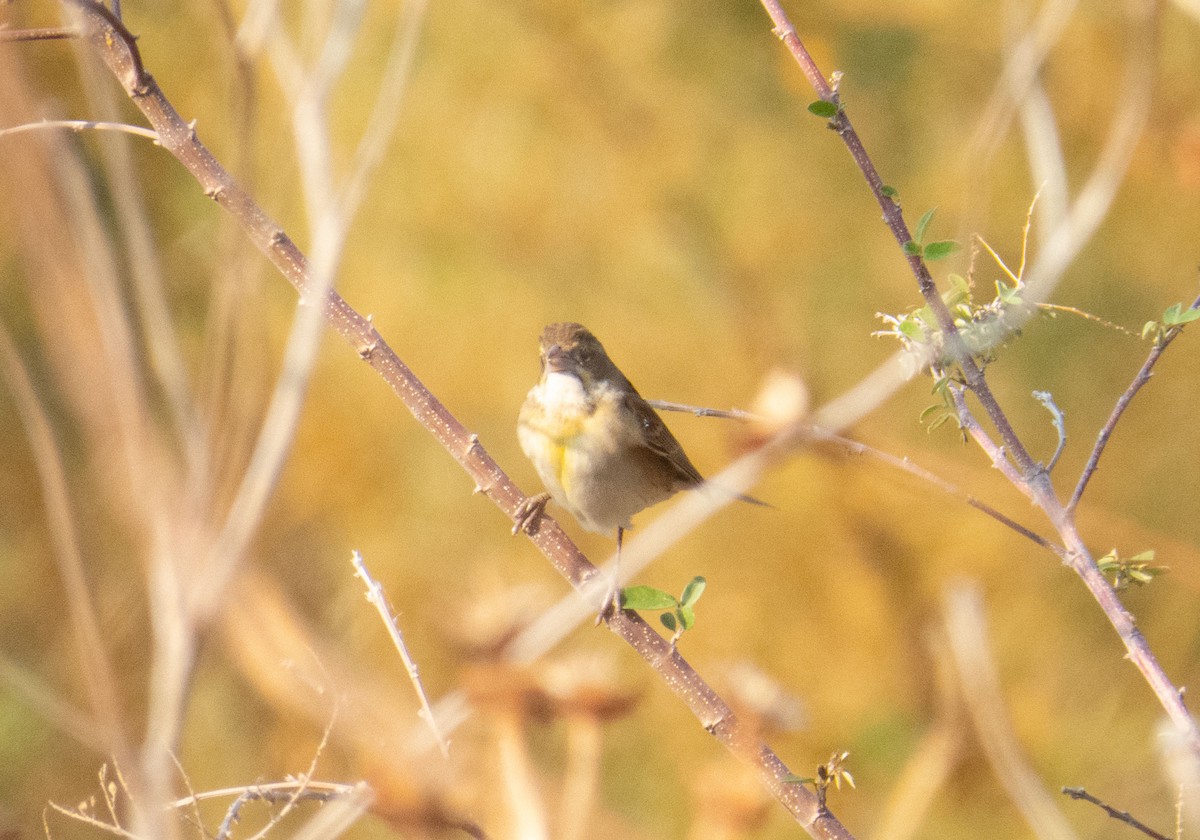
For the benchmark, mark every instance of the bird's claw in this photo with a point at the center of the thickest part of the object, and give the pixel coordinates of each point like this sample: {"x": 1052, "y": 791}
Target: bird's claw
{"x": 528, "y": 513}
{"x": 612, "y": 603}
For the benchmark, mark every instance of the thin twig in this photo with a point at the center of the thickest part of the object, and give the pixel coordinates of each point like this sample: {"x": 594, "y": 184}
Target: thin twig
{"x": 378, "y": 599}
{"x": 95, "y": 822}
{"x": 946, "y": 486}
{"x": 49, "y": 33}
{"x": 1142, "y": 377}
{"x": 699, "y": 411}
{"x": 336, "y": 817}
{"x": 82, "y": 125}
{"x": 859, "y": 448}
{"x": 1123, "y": 816}
{"x": 330, "y": 213}
{"x": 305, "y": 777}
{"x": 196, "y": 819}
{"x": 267, "y": 791}
{"x": 287, "y": 792}
{"x": 109, "y": 792}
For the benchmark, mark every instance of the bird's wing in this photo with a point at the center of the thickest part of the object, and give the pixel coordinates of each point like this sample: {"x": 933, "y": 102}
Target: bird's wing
{"x": 659, "y": 440}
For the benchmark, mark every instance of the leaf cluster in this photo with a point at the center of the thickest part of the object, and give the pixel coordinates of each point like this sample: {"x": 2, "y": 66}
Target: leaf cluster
{"x": 680, "y": 614}
{"x": 1132, "y": 570}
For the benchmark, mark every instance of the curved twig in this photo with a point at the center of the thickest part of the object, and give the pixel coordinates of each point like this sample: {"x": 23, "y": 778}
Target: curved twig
{"x": 82, "y": 125}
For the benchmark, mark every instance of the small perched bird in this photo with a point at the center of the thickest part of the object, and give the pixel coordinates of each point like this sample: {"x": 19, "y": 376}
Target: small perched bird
{"x": 601, "y": 451}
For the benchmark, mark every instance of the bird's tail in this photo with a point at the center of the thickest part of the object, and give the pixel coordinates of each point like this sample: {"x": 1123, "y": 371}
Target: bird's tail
{"x": 741, "y": 497}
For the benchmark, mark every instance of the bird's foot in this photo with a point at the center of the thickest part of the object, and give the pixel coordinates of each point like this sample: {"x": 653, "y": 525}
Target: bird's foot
{"x": 529, "y": 513}
{"x": 612, "y": 603}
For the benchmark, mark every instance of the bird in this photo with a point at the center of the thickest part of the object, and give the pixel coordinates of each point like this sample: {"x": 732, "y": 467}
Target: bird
{"x": 601, "y": 451}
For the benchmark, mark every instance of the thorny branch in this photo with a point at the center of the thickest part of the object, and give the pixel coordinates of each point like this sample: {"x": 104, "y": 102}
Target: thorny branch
{"x": 1142, "y": 377}
{"x": 1010, "y": 455}
{"x": 1123, "y": 816}
{"x": 116, "y": 46}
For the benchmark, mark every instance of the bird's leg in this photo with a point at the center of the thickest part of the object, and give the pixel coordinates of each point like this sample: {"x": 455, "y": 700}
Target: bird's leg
{"x": 528, "y": 513}
{"x": 612, "y": 600}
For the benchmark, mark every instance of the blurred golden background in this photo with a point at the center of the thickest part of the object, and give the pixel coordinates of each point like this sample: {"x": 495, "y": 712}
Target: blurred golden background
{"x": 649, "y": 170}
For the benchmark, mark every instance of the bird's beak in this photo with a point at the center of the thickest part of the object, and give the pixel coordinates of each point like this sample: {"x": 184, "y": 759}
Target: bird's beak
{"x": 556, "y": 359}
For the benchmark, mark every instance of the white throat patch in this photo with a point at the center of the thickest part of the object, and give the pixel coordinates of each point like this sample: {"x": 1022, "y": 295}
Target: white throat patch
{"x": 563, "y": 389}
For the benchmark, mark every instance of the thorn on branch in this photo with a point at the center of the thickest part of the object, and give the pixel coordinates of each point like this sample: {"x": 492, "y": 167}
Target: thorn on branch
{"x": 368, "y": 350}
{"x": 472, "y": 444}
{"x": 1123, "y": 816}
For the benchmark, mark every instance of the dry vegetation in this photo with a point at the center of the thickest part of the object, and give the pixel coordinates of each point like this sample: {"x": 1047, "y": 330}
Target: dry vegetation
{"x": 190, "y": 459}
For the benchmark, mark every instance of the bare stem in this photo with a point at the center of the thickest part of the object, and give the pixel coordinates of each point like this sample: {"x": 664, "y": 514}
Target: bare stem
{"x": 858, "y": 448}
{"x": 50, "y": 33}
{"x": 81, "y": 125}
{"x": 1142, "y": 377}
{"x": 378, "y": 600}
{"x": 1123, "y": 816}
{"x": 948, "y": 487}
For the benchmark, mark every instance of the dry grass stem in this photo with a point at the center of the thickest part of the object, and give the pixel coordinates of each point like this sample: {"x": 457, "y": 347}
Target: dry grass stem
{"x": 377, "y": 599}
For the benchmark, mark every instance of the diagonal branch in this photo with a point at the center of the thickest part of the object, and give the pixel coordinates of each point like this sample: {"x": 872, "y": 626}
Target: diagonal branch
{"x": 894, "y": 218}
{"x": 116, "y": 46}
{"x": 1009, "y": 454}
{"x": 1142, "y": 377}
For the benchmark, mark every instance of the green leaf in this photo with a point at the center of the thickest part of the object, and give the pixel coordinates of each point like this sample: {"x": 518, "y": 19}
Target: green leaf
{"x": 890, "y": 191}
{"x": 912, "y": 249}
{"x": 910, "y": 329}
{"x": 821, "y": 108}
{"x": 941, "y": 249}
{"x": 1009, "y": 295}
{"x": 938, "y": 423}
{"x": 686, "y": 616}
{"x": 668, "y": 620}
{"x": 924, "y": 223}
{"x": 693, "y": 591}
{"x": 929, "y": 410}
{"x": 646, "y": 598}
{"x": 1146, "y": 556}
{"x": 1176, "y": 315}
{"x": 959, "y": 291}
